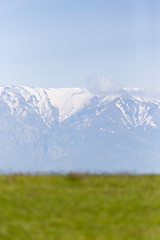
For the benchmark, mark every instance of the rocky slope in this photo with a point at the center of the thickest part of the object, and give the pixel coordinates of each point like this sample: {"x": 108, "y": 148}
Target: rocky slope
{"x": 75, "y": 130}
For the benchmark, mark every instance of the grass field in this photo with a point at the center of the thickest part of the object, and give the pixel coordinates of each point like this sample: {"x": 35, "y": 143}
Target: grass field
{"x": 79, "y": 207}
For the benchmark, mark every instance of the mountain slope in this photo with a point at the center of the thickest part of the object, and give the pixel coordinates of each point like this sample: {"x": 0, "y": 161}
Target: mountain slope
{"x": 75, "y": 130}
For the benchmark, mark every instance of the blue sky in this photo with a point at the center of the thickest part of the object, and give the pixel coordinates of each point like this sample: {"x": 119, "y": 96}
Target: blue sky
{"x": 60, "y": 43}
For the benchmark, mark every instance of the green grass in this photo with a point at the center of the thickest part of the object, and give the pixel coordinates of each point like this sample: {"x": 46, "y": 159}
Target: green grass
{"x": 79, "y": 207}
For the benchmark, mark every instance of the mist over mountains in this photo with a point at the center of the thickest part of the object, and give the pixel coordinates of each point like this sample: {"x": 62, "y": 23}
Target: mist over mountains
{"x": 74, "y": 129}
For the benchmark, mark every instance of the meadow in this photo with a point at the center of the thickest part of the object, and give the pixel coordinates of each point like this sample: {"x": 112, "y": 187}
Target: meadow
{"x": 79, "y": 207}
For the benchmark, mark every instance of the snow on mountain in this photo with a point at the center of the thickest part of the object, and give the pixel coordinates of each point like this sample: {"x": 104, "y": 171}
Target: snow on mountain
{"x": 22, "y": 100}
{"x": 68, "y": 101}
{"x": 74, "y": 129}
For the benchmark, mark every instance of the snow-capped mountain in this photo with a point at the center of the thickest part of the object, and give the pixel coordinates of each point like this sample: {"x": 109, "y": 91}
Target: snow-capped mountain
{"x": 75, "y": 130}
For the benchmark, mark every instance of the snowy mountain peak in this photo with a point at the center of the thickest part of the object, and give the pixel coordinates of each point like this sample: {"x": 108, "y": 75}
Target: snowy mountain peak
{"x": 59, "y": 129}
{"x": 60, "y": 104}
{"x": 67, "y": 101}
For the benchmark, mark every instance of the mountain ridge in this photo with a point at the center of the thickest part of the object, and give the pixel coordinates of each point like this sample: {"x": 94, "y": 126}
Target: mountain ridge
{"x": 74, "y": 129}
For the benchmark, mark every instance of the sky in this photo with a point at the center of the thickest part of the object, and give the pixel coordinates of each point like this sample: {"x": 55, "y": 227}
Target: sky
{"x": 62, "y": 43}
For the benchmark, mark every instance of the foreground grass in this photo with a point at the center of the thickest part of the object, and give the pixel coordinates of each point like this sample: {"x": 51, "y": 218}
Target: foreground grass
{"x": 79, "y": 207}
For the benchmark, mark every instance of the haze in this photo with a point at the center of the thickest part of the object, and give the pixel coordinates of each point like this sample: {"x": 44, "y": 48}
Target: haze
{"x": 60, "y": 43}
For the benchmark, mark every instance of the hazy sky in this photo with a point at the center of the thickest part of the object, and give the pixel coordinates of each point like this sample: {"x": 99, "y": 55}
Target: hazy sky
{"x": 60, "y": 43}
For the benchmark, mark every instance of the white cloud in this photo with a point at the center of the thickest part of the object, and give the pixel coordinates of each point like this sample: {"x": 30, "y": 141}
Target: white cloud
{"x": 100, "y": 84}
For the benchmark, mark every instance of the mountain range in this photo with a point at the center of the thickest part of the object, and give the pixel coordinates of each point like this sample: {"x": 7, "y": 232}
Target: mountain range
{"x": 74, "y": 129}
